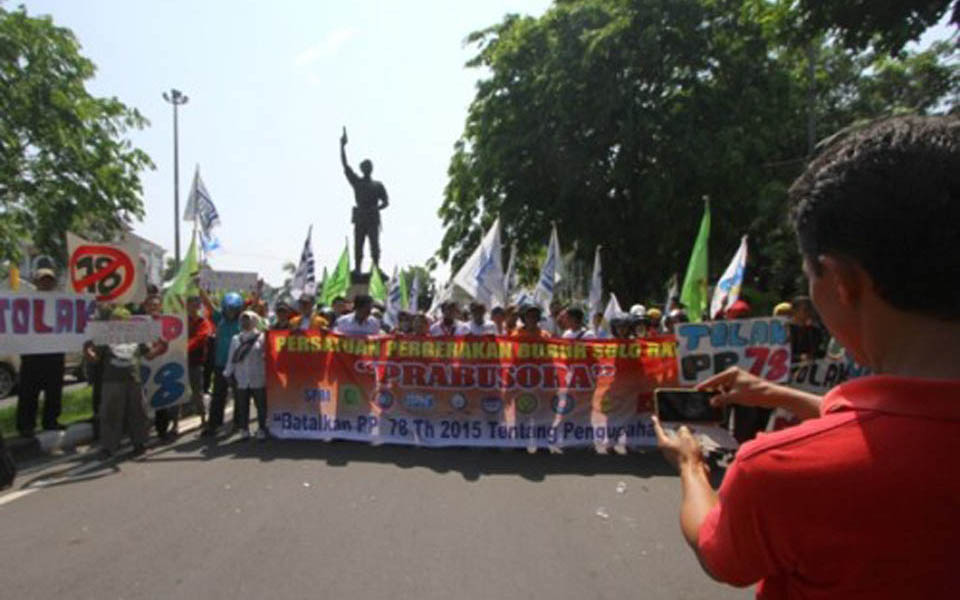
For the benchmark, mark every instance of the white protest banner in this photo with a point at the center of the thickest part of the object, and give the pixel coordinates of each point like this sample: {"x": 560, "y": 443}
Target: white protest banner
{"x": 43, "y": 322}
{"x": 140, "y": 331}
{"x": 817, "y": 377}
{"x": 112, "y": 272}
{"x": 760, "y": 346}
{"x": 228, "y": 281}
{"x": 165, "y": 379}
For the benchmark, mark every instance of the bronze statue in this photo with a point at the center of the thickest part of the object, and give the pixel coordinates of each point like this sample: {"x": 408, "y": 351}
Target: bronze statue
{"x": 371, "y": 198}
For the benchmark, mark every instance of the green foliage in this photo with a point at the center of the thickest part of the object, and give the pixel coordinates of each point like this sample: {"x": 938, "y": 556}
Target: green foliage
{"x": 615, "y": 117}
{"x": 886, "y": 24}
{"x": 64, "y": 161}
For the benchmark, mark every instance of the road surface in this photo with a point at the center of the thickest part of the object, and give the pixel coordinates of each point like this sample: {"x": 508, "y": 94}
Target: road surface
{"x": 283, "y": 519}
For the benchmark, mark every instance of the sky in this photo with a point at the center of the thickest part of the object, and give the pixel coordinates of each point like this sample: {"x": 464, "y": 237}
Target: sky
{"x": 270, "y": 84}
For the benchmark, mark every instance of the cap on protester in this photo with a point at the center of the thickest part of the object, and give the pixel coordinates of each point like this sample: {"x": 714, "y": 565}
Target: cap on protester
{"x": 497, "y": 310}
{"x": 528, "y": 306}
{"x": 783, "y": 309}
{"x": 738, "y": 309}
{"x": 654, "y": 313}
{"x": 638, "y": 311}
{"x": 44, "y": 272}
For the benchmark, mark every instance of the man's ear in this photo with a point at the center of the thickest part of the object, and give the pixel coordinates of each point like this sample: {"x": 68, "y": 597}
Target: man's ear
{"x": 848, "y": 279}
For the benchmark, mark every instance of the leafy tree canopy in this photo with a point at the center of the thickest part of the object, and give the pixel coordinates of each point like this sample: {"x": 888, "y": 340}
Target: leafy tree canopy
{"x": 64, "y": 161}
{"x": 614, "y": 118}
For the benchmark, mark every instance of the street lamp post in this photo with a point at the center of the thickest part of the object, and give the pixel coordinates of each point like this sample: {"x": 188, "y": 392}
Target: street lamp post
{"x": 176, "y": 98}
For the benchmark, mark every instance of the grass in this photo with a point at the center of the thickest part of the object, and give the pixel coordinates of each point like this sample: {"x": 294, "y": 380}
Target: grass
{"x": 77, "y": 406}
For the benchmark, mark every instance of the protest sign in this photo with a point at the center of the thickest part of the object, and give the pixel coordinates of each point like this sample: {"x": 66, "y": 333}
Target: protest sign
{"x": 139, "y": 331}
{"x": 817, "y": 377}
{"x": 165, "y": 379}
{"x": 465, "y": 391}
{"x": 759, "y": 346}
{"x": 112, "y": 272}
{"x": 228, "y": 281}
{"x": 822, "y": 375}
{"x": 42, "y": 322}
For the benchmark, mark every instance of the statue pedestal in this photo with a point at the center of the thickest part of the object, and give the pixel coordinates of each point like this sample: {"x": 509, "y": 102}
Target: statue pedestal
{"x": 359, "y": 284}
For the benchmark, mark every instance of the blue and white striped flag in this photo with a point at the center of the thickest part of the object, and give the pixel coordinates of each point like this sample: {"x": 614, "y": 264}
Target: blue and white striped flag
{"x": 304, "y": 279}
{"x": 201, "y": 210}
{"x": 549, "y": 272}
{"x": 394, "y": 299}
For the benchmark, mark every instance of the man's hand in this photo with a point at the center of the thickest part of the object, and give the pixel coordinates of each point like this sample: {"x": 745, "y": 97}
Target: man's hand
{"x": 682, "y": 449}
{"x": 739, "y": 387}
{"x": 343, "y": 137}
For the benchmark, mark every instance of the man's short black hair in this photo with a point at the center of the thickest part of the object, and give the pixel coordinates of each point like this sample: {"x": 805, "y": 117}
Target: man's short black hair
{"x": 888, "y": 198}
{"x": 361, "y": 300}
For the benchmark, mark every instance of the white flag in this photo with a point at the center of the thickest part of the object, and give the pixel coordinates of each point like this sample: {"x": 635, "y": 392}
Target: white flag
{"x": 481, "y": 277}
{"x": 201, "y": 210}
{"x": 673, "y": 291}
{"x": 442, "y": 295}
{"x": 596, "y": 286}
{"x": 394, "y": 300}
{"x": 728, "y": 288}
{"x": 415, "y": 293}
{"x": 304, "y": 279}
{"x": 549, "y": 272}
{"x": 510, "y": 279}
{"x": 613, "y": 310}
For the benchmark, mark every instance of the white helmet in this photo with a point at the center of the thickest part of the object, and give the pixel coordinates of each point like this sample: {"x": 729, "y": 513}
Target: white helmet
{"x": 638, "y": 311}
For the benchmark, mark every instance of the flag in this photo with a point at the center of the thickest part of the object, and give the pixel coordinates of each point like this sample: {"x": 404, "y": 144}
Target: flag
{"x": 415, "y": 293}
{"x": 200, "y": 210}
{"x": 549, "y": 272}
{"x": 183, "y": 284}
{"x": 439, "y": 298}
{"x": 481, "y": 277}
{"x": 304, "y": 279}
{"x": 613, "y": 310}
{"x": 694, "y": 291}
{"x": 673, "y": 291}
{"x": 728, "y": 288}
{"x": 404, "y": 292}
{"x": 394, "y": 298}
{"x": 378, "y": 291}
{"x": 510, "y": 279}
{"x": 596, "y": 286}
{"x": 338, "y": 284}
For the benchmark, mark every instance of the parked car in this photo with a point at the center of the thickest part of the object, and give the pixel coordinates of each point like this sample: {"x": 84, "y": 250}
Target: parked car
{"x": 10, "y": 370}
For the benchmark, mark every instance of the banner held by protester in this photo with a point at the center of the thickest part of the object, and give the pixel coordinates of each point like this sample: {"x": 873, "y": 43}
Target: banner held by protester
{"x": 465, "y": 392}
{"x": 112, "y": 272}
{"x": 759, "y": 346}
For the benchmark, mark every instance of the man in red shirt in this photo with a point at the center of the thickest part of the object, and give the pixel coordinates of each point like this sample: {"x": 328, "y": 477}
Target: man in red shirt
{"x": 861, "y": 500}
{"x": 199, "y": 330}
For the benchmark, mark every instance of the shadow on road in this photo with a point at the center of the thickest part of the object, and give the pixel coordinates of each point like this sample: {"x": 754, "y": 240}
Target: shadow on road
{"x": 471, "y": 463}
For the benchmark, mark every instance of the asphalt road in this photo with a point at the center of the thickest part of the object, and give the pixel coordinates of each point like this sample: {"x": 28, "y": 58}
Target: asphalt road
{"x": 284, "y": 519}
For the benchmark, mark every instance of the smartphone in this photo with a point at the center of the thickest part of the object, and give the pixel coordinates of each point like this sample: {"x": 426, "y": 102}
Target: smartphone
{"x": 682, "y": 405}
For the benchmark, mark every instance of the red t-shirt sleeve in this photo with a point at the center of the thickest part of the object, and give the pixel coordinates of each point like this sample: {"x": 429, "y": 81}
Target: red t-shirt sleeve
{"x": 735, "y": 541}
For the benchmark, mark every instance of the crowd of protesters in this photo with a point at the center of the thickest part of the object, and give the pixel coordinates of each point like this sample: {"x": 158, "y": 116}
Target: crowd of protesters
{"x": 226, "y": 351}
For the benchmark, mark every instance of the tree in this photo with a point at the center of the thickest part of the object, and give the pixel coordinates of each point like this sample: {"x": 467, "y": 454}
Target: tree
{"x": 615, "y": 117}
{"x": 886, "y": 24}
{"x": 64, "y": 161}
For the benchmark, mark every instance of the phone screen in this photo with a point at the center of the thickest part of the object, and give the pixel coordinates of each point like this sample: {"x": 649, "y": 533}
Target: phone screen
{"x": 686, "y": 406}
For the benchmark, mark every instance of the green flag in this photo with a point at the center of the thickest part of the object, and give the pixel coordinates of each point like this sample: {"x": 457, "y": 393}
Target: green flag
{"x": 694, "y": 291}
{"x": 183, "y": 285}
{"x": 378, "y": 291}
{"x": 337, "y": 284}
{"x": 404, "y": 292}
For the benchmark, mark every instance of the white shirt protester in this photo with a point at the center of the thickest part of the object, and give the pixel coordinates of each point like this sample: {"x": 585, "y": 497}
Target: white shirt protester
{"x": 245, "y": 360}
{"x": 579, "y": 334}
{"x": 439, "y": 329}
{"x": 349, "y": 325}
{"x": 485, "y": 328}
